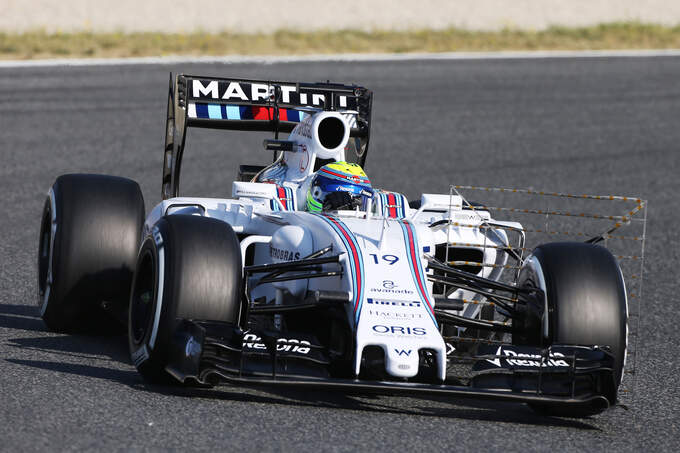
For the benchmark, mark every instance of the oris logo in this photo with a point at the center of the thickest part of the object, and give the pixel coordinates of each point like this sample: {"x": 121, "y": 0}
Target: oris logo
{"x": 399, "y": 330}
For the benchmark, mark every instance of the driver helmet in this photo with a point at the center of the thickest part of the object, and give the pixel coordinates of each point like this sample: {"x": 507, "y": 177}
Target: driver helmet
{"x": 338, "y": 185}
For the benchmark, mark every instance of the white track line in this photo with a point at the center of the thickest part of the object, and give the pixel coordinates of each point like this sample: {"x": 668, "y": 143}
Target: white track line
{"x": 235, "y": 59}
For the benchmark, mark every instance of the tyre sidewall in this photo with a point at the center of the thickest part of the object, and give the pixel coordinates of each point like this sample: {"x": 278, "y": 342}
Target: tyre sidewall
{"x": 586, "y": 298}
{"x": 149, "y": 352}
{"x": 97, "y": 222}
{"x": 181, "y": 246}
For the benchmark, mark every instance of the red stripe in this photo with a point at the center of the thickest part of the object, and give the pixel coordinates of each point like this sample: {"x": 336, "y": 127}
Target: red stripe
{"x": 355, "y": 257}
{"x": 416, "y": 271}
{"x": 283, "y": 115}
{"x": 392, "y": 200}
{"x": 263, "y": 113}
{"x": 349, "y": 178}
{"x": 282, "y": 196}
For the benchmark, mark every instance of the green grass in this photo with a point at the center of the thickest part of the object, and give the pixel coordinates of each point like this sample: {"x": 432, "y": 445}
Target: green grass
{"x": 39, "y": 44}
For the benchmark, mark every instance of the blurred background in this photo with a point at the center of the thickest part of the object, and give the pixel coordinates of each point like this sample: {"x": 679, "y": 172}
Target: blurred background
{"x": 82, "y": 28}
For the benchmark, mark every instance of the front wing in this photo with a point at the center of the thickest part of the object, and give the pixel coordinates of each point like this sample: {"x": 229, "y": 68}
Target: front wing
{"x": 210, "y": 353}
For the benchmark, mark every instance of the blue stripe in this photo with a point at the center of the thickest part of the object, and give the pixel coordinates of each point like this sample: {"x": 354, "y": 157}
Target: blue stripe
{"x": 353, "y": 270}
{"x": 289, "y": 196}
{"x": 237, "y": 112}
{"x": 201, "y": 110}
{"x": 233, "y": 112}
{"x": 214, "y": 112}
{"x": 399, "y": 204}
{"x": 416, "y": 267}
{"x": 245, "y": 112}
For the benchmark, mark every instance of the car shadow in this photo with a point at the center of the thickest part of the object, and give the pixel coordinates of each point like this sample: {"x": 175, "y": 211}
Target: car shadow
{"x": 21, "y": 317}
{"x": 115, "y": 348}
{"x": 454, "y": 409}
{"x": 461, "y": 408}
{"x": 27, "y": 318}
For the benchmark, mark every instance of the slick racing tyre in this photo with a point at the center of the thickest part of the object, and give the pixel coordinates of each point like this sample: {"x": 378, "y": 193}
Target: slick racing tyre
{"x": 89, "y": 236}
{"x": 189, "y": 267}
{"x": 586, "y": 298}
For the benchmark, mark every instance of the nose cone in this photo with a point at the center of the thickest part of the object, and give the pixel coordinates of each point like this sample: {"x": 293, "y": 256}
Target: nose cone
{"x": 401, "y": 362}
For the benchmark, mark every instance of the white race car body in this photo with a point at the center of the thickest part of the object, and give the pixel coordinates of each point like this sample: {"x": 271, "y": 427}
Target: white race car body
{"x": 432, "y": 296}
{"x": 383, "y": 255}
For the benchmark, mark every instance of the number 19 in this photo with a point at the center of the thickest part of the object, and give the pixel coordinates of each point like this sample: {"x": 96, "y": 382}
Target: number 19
{"x": 391, "y": 259}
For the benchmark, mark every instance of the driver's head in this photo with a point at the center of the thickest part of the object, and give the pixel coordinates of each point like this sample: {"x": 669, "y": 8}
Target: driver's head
{"x": 339, "y": 185}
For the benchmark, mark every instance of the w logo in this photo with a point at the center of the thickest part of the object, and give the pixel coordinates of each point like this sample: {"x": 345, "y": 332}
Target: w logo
{"x": 403, "y": 352}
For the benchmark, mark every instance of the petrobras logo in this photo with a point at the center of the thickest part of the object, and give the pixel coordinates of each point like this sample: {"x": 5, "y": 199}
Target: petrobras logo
{"x": 252, "y": 341}
{"x": 283, "y": 254}
{"x": 514, "y": 358}
{"x": 392, "y": 330}
{"x": 253, "y": 91}
{"x": 304, "y": 128}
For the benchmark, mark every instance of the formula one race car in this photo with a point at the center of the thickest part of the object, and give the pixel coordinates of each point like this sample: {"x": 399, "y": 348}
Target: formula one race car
{"x": 309, "y": 276}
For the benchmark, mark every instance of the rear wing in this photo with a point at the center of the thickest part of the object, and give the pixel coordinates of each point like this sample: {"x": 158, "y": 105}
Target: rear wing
{"x": 255, "y": 105}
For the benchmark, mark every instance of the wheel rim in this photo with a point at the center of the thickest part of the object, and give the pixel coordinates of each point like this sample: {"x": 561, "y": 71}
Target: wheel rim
{"x": 48, "y": 230}
{"x": 143, "y": 298}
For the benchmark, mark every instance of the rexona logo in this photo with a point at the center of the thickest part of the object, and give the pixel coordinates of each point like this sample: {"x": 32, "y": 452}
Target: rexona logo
{"x": 252, "y": 341}
{"x": 283, "y": 255}
{"x": 519, "y": 359}
{"x": 399, "y": 330}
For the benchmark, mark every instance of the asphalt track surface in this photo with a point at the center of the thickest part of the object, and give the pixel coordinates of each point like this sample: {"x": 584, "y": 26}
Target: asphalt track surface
{"x": 598, "y": 125}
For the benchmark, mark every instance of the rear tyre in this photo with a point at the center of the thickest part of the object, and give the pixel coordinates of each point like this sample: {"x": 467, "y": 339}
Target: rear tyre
{"x": 189, "y": 267}
{"x": 586, "y": 302}
{"x": 90, "y": 232}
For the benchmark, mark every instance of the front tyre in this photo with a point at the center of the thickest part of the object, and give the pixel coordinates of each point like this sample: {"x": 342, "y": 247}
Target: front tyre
{"x": 89, "y": 236}
{"x": 189, "y": 267}
{"x": 586, "y": 302}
